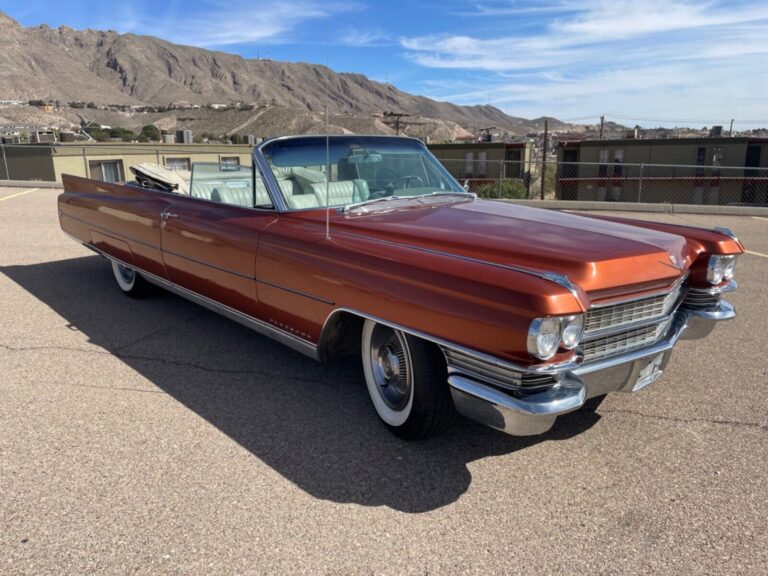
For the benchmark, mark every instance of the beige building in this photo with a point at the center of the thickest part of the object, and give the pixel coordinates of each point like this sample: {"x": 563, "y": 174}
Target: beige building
{"x": 110, "y": 162}
{"x": 707, "y": 170}
{"x": 483, "y": 160}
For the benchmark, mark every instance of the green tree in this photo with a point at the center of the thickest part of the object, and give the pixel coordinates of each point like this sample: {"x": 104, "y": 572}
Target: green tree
{"x": 151, "y": 132}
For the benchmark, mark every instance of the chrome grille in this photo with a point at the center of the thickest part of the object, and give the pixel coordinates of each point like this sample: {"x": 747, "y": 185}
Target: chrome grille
{"x": 700, "y": 299}
{"x": 625, "y": 341}
{"x": 493, "y": 373}
{"x": 608, "y": 317}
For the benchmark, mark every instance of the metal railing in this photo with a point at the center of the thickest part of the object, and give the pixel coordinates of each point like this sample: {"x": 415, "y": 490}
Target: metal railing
{"x": 495, "y": 179}
{"x": 618, "y": 182}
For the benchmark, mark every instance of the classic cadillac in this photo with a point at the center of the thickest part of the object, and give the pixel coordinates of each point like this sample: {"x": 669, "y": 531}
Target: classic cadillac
{"x": 365, "y": 245}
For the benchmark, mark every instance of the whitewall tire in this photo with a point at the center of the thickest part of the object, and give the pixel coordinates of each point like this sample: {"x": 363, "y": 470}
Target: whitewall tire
{"x": 407, "y": 381}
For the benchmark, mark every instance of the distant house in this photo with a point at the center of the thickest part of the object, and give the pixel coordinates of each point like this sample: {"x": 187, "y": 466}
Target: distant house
{"x": 710, "y": 170}
{"x": 483, "y": 160}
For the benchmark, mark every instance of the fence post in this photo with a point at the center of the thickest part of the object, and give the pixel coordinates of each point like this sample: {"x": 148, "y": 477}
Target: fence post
{"x": 85, "y": 163}
{"x": 640, "y": 184}
{"x": 501, "y": 175}
{"x": 544, "y": 157}
{"x": 5, "y": 163}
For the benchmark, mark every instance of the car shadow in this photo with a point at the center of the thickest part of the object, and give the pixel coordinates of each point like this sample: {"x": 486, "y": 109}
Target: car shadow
{"x": 312, "y": 423}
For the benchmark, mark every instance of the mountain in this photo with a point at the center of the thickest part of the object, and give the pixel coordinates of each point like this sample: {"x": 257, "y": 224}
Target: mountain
{"x": 110, "y": 68}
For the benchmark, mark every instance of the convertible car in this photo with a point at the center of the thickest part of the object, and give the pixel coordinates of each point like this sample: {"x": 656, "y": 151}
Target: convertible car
{"x": 365, "y": 245}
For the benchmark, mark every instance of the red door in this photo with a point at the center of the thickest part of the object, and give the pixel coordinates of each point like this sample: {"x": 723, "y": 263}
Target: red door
{"x": 210, "y": 249}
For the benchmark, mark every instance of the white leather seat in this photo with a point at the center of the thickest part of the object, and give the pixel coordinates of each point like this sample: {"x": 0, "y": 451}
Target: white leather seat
{"x": 301, "y": 201}
{"x": 342, "y": 192}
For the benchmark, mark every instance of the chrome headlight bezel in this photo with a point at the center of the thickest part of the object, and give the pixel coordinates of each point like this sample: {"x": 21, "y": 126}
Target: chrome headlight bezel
{"x": 720, "y": 268}
{"x": 549, "y": 334}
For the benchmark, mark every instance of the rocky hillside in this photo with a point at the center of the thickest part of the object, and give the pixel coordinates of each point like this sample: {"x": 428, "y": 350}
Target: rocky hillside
{"x": 110, "y": 68}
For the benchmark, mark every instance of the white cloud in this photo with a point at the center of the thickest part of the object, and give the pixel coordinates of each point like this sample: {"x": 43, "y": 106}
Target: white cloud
{"x": 368, "y": 38}
{"x": 621, "y": 55}
{"x": 223, "y": 23}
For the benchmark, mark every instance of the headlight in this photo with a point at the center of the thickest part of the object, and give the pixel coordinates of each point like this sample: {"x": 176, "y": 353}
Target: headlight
{"x": 547, "y": 335}
{"x": 572, "y": 329}
{"x": 720, "y": 268}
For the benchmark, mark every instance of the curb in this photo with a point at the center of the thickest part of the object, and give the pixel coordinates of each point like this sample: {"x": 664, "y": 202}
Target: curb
{"x": 643, "y": 207}
{"x": 29, "y": 184}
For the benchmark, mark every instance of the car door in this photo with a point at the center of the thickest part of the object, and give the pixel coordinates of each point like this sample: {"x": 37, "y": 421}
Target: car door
{"x": 121, "y": 221}
{"x": 210, "y": 240}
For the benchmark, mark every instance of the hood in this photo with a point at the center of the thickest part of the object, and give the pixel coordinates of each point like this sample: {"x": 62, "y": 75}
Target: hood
{"x": 604, "y": 258}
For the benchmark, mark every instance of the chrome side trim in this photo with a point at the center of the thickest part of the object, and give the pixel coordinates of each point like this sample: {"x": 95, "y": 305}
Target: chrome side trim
{"x": 553, "y": 368}
{"x": 298, "y": 292}
{"x": 209, "y": 265}
{"x": 285, "y": 338}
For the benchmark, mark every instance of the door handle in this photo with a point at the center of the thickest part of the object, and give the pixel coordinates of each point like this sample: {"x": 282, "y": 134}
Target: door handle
{"x": 165, "y": 215}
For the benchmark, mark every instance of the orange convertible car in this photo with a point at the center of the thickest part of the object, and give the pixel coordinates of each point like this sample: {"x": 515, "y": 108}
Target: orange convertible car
{"x": 365, "y": 245}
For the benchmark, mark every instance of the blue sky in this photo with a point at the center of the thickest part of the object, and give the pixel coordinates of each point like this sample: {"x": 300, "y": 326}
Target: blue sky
{"x": 650, "y": 62}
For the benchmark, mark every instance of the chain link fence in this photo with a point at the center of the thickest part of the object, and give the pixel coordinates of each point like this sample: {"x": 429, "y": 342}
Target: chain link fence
{"x": 618, "y": 182}
{"x": 493, "y": 179}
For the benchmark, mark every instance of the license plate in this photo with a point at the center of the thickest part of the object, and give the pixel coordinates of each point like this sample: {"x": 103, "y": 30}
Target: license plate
{"x": 649, "y": 373}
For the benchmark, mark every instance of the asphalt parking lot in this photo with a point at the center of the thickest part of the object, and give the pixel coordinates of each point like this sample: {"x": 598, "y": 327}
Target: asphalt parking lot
{"x": 154, "y": 437}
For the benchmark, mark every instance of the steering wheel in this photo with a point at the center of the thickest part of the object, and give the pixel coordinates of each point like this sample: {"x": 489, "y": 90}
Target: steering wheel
{"x": 407, "y": 179}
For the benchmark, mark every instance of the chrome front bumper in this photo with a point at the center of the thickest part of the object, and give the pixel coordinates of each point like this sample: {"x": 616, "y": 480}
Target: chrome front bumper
{"x": 533, "y": 413}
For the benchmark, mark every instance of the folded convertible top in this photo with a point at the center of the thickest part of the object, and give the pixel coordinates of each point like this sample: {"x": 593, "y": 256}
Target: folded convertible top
{"x": 159, "y": 177}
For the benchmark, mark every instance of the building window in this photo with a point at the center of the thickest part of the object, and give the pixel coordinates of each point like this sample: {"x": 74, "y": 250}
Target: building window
{"x": 482, "y": 159}
{"x": 717, "y": 156}
{"x": 468, "y": 164}
{"x": 177, "y": 164}
{"x": 229, "y": 162}
{"x": 618, "y": 159}
{"x": 106, "y": 170}
{"x": 602, "y": 169}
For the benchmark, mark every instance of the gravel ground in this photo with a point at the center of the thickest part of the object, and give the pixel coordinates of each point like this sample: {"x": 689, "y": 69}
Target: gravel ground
{"x": 154, "y": 437}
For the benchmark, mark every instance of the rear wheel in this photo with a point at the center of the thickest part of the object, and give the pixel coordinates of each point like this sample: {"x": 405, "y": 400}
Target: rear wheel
{"x": 129, "y": 281}
{"x": 407, "y": 382}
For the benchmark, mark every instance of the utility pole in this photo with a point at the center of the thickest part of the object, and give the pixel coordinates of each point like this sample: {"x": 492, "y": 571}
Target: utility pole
{"x": 396, "y": 116}
{"x": 730, "y": 130}
{"x": 544, "y": 156}
{"x": 602, "y": 124}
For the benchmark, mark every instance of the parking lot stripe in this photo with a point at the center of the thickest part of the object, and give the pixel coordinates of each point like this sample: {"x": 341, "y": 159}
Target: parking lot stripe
{"x": 756, "y": 253}
{"x": 18, "y": 194}
{"x": 759, "y": 218}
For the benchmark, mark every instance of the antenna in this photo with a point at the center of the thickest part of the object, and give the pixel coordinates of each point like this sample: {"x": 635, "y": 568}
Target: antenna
{"x": 327, "y": 139}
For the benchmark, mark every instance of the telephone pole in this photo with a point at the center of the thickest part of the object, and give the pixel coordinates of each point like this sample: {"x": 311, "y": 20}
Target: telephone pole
{"x": 602, "y": 124}
{"x": 544, "y": 156}
{"x": 730, "y": 130}
{"x": 397, "y": 116}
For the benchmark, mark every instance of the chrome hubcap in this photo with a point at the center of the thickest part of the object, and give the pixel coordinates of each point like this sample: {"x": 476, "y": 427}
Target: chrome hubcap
{"x": 390, "y": 365}
{"x": 126, "y": 273}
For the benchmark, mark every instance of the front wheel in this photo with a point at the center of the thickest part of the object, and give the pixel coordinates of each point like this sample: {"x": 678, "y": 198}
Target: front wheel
{"x": 407, "y": 382}
{"x": 129, "y": 281}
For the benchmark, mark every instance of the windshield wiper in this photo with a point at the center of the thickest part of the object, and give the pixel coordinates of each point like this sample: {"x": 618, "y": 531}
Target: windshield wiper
{"x": 356, "y": 205}
{"x": 417, "y": 198}
{"x": 454, "y": 193}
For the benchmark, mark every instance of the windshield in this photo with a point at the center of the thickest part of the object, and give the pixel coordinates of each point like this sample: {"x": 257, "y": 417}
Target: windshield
{"x": 354, "y": 169}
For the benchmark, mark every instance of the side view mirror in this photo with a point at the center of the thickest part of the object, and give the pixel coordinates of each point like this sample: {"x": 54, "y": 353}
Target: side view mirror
{"x": 466, "y": 185}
